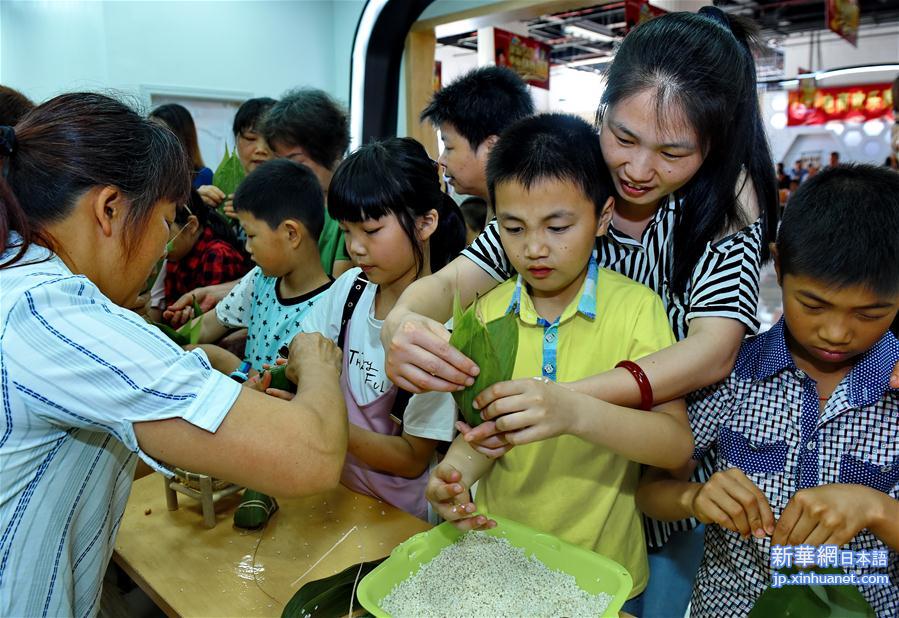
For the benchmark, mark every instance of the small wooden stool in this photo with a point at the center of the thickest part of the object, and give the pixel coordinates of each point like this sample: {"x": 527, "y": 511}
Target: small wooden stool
{"x": 199, "y": 487}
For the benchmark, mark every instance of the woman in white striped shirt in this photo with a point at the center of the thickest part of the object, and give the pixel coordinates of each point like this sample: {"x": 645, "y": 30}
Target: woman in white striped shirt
{"x": 680, "y": 129}
{"x": 87, "y": 201}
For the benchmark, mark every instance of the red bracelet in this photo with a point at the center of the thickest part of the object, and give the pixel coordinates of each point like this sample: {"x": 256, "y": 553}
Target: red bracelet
{"x": 635, "y": 370}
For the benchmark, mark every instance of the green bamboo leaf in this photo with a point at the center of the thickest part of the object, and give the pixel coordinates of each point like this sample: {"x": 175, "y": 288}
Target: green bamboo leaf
{"x": 280, "y": 380}
{"x": 812, "y": 601}
{"x": 329, "y": 596}
{"x": 172, "y": 334}
{"x": 504, "y": 338}
{"x": 228, "y": 175}
{"x": 493, "y": 347}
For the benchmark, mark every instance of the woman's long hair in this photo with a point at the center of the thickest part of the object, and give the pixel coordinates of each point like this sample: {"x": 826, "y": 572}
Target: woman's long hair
{"x": 178, "y": 119}
{"x": 701, "y": 64}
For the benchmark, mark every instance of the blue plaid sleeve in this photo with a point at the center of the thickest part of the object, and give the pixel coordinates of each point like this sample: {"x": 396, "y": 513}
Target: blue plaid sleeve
{"x": 708, "y": 409}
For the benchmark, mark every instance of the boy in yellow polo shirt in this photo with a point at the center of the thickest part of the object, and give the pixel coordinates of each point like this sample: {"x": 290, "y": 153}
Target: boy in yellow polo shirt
{"x": 553, "y": 197}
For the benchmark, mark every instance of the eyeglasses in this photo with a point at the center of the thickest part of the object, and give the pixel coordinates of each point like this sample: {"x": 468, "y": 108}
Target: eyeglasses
{"x": 170, "y": 245}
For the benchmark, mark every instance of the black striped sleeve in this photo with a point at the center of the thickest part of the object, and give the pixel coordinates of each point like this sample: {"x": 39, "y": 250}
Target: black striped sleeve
{"x": 487, "y": 252}
{"x": 725, "y": 281}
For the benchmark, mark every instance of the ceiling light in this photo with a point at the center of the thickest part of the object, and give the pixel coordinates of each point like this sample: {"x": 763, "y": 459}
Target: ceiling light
{"x": 589, "y": 61}
{"x": 855, "y": 70}
{"x": 594, "y": 33}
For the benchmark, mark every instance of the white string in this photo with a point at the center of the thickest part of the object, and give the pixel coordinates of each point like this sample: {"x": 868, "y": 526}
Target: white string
{"x": 353, "y": 593}
{"x": 341, "y": 540}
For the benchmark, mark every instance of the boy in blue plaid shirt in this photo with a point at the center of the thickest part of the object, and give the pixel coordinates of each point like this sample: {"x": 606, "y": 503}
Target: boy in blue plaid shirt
{"x": 805, "y": 430}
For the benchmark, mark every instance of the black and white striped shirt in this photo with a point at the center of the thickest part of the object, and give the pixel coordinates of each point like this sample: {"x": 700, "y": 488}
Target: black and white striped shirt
{"x": 724, "y": 284}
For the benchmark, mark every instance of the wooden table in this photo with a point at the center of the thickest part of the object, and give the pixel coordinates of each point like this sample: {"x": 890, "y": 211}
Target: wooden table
{"x": 189, "y": 570}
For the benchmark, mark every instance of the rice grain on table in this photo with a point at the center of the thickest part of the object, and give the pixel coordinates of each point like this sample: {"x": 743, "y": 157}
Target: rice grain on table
{"x": 480, "y": 576}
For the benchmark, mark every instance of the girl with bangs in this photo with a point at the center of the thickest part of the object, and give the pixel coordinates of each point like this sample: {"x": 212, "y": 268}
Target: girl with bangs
{"x": 399, "y": 226}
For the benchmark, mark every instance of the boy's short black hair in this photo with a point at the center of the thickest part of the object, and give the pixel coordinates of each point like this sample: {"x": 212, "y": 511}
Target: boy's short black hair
{"x": 250, "y": 114}
{"x": 474, "y": 209}
{"x": 309, "y": 118}
{"x": 279, "y": 190}
{"x": 550, "y": 147}
{"x": 481, "y": 103}
{"x": 842, "y": 227}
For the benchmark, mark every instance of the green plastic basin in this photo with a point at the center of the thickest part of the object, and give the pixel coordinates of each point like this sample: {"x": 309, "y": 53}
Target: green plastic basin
{"x": 593, "y": 573}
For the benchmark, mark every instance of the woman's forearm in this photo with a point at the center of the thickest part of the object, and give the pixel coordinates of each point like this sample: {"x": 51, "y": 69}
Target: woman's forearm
{"x": 706, "y": 356}
{"x": 432, "y": 296}
{"x": 659, "y": 438}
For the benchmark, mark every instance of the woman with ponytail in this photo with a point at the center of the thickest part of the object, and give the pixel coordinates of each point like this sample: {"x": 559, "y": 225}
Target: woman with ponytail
{"x": 87, "y": 201}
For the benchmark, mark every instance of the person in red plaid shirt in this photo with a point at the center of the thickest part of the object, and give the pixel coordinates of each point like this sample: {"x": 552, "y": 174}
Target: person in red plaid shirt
{"x": 203, "y": 251}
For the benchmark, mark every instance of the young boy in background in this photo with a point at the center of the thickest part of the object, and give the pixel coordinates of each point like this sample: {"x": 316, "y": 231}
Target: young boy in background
{"x": 281, "y": 209}
{"x": 470, "y": 113}
{"x": 578, "y": 477}
{"x": 280, "y": 206}
{"x": 806, "y": 428}
{"x": 307, "y": 126}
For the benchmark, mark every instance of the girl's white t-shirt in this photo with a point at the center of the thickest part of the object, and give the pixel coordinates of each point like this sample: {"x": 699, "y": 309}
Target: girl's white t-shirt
{"x": 428, "y": 415}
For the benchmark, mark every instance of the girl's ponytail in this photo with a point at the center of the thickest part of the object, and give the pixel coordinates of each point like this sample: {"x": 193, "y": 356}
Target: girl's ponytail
{"x": 449, "y": 239}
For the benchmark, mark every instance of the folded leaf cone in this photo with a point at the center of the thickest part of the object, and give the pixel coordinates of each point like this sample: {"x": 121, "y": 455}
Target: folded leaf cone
{"x": 228, "y": 175}
{"x": 189, "y": 333}
{"x": 492, "y": 346}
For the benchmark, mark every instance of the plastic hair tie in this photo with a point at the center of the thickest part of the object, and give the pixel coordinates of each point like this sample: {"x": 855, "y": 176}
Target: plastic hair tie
{"x": 646, "y": 397}
{"x": 7, "y": 141}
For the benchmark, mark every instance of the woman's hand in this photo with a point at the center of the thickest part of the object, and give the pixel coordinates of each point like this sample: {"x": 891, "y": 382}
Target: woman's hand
{"x": 894, "y": 379}
{"x": 484, "y": 438}
{"x": 420, "y": 358}
{"x": 211, "y": 195}
{"x": 309, "y": 351}
{"x": 228, "y": 207}
{"x": 452, "y": 500}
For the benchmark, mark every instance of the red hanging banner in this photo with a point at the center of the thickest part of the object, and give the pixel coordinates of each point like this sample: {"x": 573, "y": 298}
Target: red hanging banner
{"x": 846, "y": 104}
{"x": 637, "y": 12}
{"x": 527, "y": 57}
{"x": 841, "y": 16}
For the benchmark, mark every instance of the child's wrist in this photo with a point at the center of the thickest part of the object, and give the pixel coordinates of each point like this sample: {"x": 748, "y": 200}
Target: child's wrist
{"x": 882, "y": 510}
{"x": 688, "y": 498}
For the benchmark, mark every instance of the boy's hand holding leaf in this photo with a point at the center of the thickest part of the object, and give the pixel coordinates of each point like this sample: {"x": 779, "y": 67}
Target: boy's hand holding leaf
{"x": 528, "y": 410}
{"x": 828, "y": 515}
{"x": 189, "y": 333}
